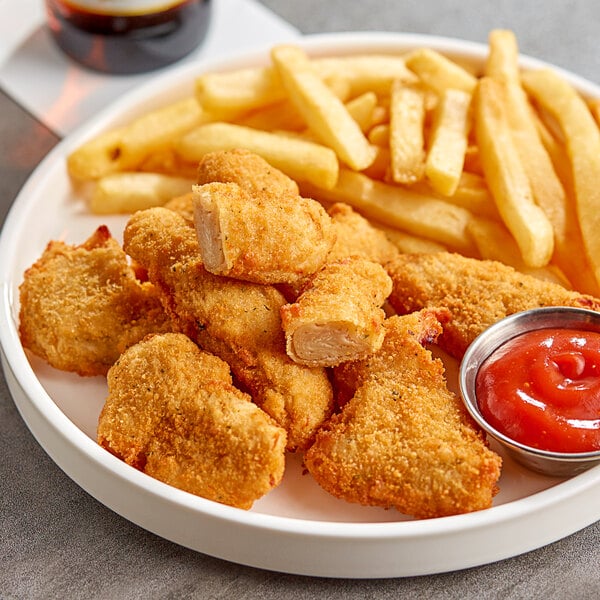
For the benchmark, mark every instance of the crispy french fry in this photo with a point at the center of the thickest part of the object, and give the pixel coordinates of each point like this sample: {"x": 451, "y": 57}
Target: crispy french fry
{"x": 595, "y": 109}
{"x": 407, "y": 144}
{"x": 324, "y": 113}
{"x": 365, "y": 72}
{"x": 448, "y": 141}
{"x": 472, "y": 193}
{"x": 380, "y": 135}
{"x": 125, "y": 148}
{"x": 242, "y": 89}
{"x": 582, "y": 136}
{"x": 282, "y": 115}
{"x": 507, "y": 179}
{"x": 300, "y": 159}
{"x": 440, "y": 73}
{"x": 129, "y": 192}
{"x": 361, "y": 109}
{"x": 548, "y": 191}
{"x": 422, "y": 216}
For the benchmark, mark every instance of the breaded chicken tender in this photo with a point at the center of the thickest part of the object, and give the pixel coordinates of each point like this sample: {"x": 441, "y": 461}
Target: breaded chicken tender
{"x": 404, "y": 440}
{"x": 81, "y": 306}
{"x": 338, "y": 316}
{"x": 265, "y": 238}
{"x": 477, "y": 292}
{"x": 236, "y": 320}
{"x": 173, "y": 413}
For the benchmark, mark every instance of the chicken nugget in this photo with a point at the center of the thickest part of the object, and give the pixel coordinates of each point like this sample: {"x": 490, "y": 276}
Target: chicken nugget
{"x": 264, "y": 238}
{"x": 81, "y": 306}
{"x": 238, "y": 321}
{"x": 173, "y": 413}
{"x": 477, "y": 293}
{"x": 338, "y": 316}
{"x": 404, "y": 440}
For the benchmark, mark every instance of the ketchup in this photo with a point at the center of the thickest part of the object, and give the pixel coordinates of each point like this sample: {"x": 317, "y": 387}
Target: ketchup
{"x": 542, "y": 388}
{"x": 131, "y": 36}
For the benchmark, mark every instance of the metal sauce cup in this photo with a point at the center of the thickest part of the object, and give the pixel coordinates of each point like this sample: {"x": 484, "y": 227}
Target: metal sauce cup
{"x": 559, "y": 464}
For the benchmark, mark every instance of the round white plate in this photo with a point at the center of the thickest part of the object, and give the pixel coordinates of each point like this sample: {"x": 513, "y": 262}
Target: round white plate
{"x": 297, "y": 528}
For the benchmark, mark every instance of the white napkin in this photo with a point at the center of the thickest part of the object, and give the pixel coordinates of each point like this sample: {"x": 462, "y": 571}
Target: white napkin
{"x": 62, "y": 95}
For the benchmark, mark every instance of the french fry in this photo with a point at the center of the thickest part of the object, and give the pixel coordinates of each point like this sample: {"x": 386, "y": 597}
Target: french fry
{"x": 507, "y": 179}
{"x": 440, "y": 73}
{"x": 422, "y": 216}
{"x": 300, "y": 159}
{"x": 408, "y": 243}
{"x": 365, "y": 72}
{"x": 125, "y": 148}
{"x": 242, "y": 89}
{"x": 129, "y": 192}
{"x": 472, "y": 193}
{"x": 380, "y": 135}
{"x": 282, "y": 115}
{"x": 595, "y": 109}
{"x": 324, "y": 113}
{"x": 407, "y": 144}
{"x": 582, "y": 138}
{"x": 548, "y": 191}
{"x": 448, "y": 141}
{"x": 361, "y": 109}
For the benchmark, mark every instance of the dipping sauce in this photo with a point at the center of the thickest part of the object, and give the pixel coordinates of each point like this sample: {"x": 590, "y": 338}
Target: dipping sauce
{"x": 542, "y": 388}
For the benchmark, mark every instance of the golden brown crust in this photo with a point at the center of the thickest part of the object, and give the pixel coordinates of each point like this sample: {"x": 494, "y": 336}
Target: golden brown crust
{"x": 338, "y": 316}
{"x": 236, "y": 320}
{"x": 173, "y": 413}
{"x": 476, "y": 292}
{"x": 81, "y": 306}
{"x": 404, "y": 440}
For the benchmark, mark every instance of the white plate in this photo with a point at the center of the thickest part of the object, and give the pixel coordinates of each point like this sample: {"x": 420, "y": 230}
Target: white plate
{"x": 297, "y": 528}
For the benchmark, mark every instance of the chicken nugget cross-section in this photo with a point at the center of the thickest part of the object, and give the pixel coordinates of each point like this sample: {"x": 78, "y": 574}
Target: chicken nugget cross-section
{"x": 404, "y": 440}
{"x": 235, "y": 320}
{"x": 338, "y": 317}
{"x": 173, "y": 413}
{"x": 476, "y": 292}
{"x": 252, "y": 226}
{"x": 81, "y": 306}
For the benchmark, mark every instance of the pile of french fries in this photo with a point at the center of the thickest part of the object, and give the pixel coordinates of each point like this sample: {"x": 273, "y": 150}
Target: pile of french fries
{"x": 499, "y": 164}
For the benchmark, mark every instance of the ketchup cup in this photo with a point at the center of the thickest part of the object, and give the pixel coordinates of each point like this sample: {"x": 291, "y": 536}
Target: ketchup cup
{"x": 547, "y": 462}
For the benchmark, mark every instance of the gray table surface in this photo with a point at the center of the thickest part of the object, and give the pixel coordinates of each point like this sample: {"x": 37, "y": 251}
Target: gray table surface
{"x": 58, "y": 542}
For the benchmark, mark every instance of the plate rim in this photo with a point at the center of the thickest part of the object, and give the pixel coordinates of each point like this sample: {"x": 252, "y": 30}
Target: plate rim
{"x": 15, "y": 358}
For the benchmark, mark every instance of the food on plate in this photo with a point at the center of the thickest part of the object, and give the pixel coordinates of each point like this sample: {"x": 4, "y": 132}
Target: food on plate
{"x": 542, "y": 388}
{"x": 476, "y": 292}
{"x": 582, "y": 140}
{"x": 507, "y": 178}
{"x": 449, "y": 139}
{"x": 128, "y": 192}
{"x": 301, "y": 159}
{"x": 338, "y": 316}
{"x": 404, "y": 440}
{"x": 324, "y": 113}
{"x": 235, "y": 320}
{"x": 406, "y": 133}
{"x": 173, "y": 413}
{"x": 268, "y": 203}
{"x": 263, "y": 233}
{"x": 82, "y": 305}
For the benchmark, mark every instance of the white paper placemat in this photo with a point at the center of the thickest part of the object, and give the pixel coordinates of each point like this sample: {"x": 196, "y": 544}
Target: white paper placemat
{"x": 63, "y": 95}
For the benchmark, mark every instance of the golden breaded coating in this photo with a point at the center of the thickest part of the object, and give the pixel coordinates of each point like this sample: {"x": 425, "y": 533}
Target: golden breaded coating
{"x": 236, "y": 320}
{"x": 81, "y": 306}
{"x": 264, "y": 238}
{"x": 404, "y": 440}
{"x": 246, "y": 169}
{"x": 173, "y": 413}
{"x": 183, "y": 205}
{"x": 355, "y": 236}
{"x": 338, "y": 316}
{"x": 477, "y": 292}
